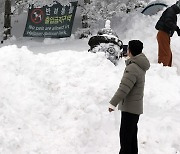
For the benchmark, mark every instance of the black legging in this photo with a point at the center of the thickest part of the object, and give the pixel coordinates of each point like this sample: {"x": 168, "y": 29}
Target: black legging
{"x": 128, "y": 133}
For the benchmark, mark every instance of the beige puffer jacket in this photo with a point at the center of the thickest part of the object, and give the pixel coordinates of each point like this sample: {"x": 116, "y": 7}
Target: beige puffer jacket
{"x": 130, "y": 93}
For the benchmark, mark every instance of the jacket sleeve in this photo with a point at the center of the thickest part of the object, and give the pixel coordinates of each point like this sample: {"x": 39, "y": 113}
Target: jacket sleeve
{"x": 127, "y": 82}
{"x": 169, "y": 20}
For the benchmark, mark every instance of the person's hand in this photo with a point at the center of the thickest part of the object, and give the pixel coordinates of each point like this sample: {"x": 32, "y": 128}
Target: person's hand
{"x": 110, "y": 110}
{"x": 178, "y": 31}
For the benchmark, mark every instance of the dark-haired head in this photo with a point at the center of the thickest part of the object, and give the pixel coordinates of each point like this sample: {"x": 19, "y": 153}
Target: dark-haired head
{"x": 135, "y": 47}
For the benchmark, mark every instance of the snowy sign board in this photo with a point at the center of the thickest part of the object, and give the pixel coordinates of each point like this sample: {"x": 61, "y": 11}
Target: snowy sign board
{"x": 54, "y": 22}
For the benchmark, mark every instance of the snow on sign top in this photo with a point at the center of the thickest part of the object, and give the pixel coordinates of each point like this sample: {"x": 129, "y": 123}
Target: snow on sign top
{"x": 41, "y": 3}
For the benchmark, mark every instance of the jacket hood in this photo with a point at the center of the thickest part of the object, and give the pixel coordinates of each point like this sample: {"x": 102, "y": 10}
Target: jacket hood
{"x": 176, "y": 8}
{"x": 141, "y": 60}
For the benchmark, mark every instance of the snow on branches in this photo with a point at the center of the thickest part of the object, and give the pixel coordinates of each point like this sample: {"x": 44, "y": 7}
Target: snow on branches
{"x": 41, "y": 3}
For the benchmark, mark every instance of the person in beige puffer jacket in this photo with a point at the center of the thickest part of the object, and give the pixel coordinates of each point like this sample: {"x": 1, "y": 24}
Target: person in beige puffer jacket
{"x": 129, "y": 96}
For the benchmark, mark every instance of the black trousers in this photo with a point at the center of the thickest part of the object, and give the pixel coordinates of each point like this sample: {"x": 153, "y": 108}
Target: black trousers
{"x": 128, "y": 133}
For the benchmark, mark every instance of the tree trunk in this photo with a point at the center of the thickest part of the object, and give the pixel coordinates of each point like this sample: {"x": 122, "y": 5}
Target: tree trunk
{"x": 85, "y": 25}
{"x": 85, "y": 16}
{"x": 7, "y": 19}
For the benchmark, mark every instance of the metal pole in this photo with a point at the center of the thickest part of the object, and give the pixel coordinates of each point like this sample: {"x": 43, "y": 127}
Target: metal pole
{"x": 7, "y": 20}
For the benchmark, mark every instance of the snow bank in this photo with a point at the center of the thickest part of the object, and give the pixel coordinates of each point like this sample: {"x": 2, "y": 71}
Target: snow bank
{"x": 57, "y": 103}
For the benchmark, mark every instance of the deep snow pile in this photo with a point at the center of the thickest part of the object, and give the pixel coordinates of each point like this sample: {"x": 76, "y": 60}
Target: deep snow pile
{"x": 57, "y": 103}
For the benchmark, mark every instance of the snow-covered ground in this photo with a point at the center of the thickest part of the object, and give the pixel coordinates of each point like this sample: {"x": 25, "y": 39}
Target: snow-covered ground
{"x": 54, "y": 95}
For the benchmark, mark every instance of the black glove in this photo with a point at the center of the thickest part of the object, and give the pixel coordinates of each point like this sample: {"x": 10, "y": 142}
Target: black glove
{"x": 178, "y": 31}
